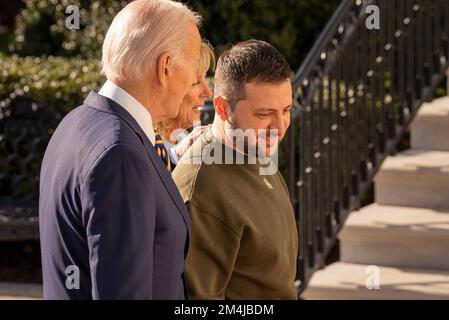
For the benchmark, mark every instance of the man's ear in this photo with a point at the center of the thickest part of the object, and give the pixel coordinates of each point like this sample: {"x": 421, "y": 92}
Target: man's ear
{"x": 164, "y": 67}
{"x": 222, "y": 108}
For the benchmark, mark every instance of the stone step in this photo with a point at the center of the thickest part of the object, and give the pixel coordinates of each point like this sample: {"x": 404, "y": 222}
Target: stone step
{"x": 414, "y": 178}
{"x": 430, "y": 128}
{"x": 396, "y": 236}
{"x": 20, "y": 291}
{"x": 18, "y": 220}
{"x": 346, "y": 281}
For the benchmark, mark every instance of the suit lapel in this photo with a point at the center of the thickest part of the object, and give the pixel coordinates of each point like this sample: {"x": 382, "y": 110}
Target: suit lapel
{"x": 99, "y": 102}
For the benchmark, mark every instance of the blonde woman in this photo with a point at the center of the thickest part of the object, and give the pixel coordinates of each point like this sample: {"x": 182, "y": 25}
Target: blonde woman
{"x": 173, "y": 131}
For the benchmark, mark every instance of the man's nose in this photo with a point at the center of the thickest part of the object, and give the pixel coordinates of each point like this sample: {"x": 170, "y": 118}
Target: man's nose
{"x": 278, "y": 124}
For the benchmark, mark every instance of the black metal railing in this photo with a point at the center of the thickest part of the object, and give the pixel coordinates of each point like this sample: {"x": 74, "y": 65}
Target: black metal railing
{"x": 356, "y": 93}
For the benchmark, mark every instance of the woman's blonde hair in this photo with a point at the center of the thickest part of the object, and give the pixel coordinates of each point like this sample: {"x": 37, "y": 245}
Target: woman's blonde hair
{"x": 206, "y": 63}
{"x": 207, "y": 57}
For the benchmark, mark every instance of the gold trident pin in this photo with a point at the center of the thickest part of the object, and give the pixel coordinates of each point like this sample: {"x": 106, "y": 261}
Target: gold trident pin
{"x": 268, "y": 184}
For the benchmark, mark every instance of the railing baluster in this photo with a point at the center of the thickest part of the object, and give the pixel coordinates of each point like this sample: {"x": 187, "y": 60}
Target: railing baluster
{"x": 436, "y": 26}
{"x": 391, "y": 65}
{"x": 346, "y": 145}
{"x": 318, "y": 171}
{"x": 419, "y": 52}
{"x": 400, "y": 58}
{"x": 363, "y": 106}
{"x": 428, "y": 42}
{"x": 411, "y": 31}
{"x": 373, "y": 74}
{"x": 337, "y": 128}
{"x": 310, "y": 186}
{"x": 354, "y": 117}
{"x": 302, "y": 228}
{"x": 329, "y": 157}
{"x": 381, "y": 81}
{"x": 446, "y": 31}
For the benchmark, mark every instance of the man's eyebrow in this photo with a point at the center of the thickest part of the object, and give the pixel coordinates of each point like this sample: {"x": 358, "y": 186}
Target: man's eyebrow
{"x": 265, "y": 109}
{"x": 269, "y": 109}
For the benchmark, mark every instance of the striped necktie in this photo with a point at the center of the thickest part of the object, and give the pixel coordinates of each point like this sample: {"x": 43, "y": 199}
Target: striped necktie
{"x": 161, "y": 151}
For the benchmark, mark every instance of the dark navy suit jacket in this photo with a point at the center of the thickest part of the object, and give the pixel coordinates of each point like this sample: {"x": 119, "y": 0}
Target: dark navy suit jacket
{"x": 109, "y": 211}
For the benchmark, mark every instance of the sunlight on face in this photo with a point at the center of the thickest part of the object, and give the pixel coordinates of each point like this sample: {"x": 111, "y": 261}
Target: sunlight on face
{"x": 185, "y": 71}
{"x": 266, "y": 111}
{"x": 189, "y": 112}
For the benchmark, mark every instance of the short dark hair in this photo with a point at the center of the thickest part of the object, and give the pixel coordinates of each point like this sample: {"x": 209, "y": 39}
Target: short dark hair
{"x": 248, "y": 61}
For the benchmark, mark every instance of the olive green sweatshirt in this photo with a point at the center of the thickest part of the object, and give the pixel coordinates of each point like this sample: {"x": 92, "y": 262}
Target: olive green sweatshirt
{"x": 244, "y": 240}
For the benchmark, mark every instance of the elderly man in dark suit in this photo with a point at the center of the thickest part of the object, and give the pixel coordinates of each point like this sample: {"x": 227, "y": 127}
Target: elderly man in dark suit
{"x": 112, "y": 222}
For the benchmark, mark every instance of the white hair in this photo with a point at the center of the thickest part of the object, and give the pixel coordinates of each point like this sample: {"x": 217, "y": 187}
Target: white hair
{"x": 140, "y": 33}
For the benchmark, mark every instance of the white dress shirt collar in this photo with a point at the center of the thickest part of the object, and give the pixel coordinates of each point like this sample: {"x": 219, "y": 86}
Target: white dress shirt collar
{"x": 129, "y": 103}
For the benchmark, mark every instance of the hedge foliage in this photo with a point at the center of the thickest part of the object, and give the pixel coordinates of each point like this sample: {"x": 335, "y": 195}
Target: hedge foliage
{"x": 34, "y": 95}
{"x": 61, "y": 83}
{"x": 41, "y": 31}
{"x": 291, "y": 25}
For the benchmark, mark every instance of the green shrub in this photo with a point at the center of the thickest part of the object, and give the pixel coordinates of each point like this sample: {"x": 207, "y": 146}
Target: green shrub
{"x": 40, "y": 28}
{"x": 35, "y": 93}
{"x": 290, "y": 25}
{"x": 61, "y": 83}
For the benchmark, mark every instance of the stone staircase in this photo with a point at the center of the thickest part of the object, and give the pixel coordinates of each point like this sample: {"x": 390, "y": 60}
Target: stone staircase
{"x": 401, "y": 242}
